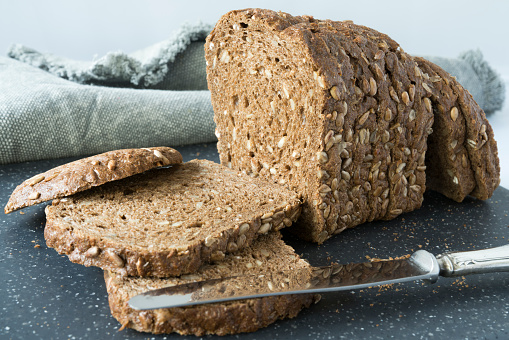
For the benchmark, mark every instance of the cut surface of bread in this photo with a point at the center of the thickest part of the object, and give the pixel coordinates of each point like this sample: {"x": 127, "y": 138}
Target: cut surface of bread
{"x": 267, "y": 255}
{"x": 86, "y": 173}
{"x": 463, "y": 157}
{"x": 333, "y": 110}
{"x": 167, "y": 221}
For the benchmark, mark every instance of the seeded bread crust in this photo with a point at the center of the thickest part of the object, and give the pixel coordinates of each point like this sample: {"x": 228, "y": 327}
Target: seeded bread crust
{"x": 448, "y": 166}
{"x": 333, "y": 110}
{"x": 268, "y": 255}
{"x": 86, "y": 173}
{"x": 463, "y": 158}
{"x": 167, "y": 221}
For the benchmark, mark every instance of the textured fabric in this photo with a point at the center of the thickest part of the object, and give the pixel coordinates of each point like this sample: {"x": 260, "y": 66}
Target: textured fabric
{"x": 52, "y": 107}
{"x": 43, "y": 116}
{"x": 174, "y": 64}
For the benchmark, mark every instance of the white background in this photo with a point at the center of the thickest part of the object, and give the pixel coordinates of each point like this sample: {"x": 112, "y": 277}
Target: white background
{"x": 83, "y": 29}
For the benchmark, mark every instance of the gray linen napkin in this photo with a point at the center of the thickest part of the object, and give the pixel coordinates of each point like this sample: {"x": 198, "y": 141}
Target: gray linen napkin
{"x": 177, "y": 63}
{"x": 42, "y": 116}
{"x": 155, "y": 96}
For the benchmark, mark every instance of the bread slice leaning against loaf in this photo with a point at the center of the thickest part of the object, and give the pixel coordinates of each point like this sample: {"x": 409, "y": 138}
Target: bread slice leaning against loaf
{"x": 268, "y": 255}
{"x": 334, "y": 110}
{"x": 167, "y": 221}
{"x": 89, "y": 172}
{"x": 462, "y": 156}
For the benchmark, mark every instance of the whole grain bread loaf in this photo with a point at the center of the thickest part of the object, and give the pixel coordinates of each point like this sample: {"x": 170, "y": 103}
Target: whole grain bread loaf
{"x": 462, "y": 156}
{"x": 267, "y": 255}
{"x": 89, "y": 172}
{"x": 336, "y": 111}
{"x": 167, "y": 221}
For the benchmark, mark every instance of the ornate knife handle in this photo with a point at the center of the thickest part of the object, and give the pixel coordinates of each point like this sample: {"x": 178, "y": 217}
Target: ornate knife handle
{"x": 474, "y": 262}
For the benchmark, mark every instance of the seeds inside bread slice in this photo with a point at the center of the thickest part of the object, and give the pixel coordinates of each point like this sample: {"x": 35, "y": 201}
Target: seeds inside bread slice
{"x": 89, "y": 172}
{"x": 268, "y": 255}
{"x": 167, "y": 221}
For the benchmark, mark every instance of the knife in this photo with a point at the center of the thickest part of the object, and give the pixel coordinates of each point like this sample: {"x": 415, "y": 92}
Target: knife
{"x": 421, "y": 265}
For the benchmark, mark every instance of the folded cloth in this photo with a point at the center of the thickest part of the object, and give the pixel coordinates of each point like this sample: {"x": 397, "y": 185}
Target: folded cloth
{"x": 174, "y": 64}
{"x": 155, "y": 96}
{"x": 43, "y": 116}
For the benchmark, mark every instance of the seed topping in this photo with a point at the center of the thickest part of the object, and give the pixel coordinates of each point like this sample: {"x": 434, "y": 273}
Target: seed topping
{"x": 34, "y": 195}
{"x": 334, "y": 91}
{"x": 322, "y": 157}
{"x": 112, "y": 164}
{"x": 372, "y": 87}
{"x": 364, "y": 117}
{"x": 454, "y": 113}
{"x": 427, "y": 104}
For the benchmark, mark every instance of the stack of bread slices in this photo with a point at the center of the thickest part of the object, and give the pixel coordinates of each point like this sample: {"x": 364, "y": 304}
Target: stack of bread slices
{"x": 328, "y": 120}
{"x": 151, "y": 221}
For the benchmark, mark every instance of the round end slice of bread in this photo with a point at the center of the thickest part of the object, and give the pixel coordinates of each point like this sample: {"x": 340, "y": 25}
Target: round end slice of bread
{"x": 85, "y": 173}
{"x": 463, "y": 155}
{"x": 167, "y": 221}
{"x": 266, "y": 256}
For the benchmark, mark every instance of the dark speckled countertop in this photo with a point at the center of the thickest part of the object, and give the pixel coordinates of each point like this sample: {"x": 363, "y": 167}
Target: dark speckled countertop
{"x": 44, "y": 296}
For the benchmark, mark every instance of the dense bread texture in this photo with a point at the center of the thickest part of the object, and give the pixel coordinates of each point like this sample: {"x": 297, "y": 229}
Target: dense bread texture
{"x": 167, "y": 221}
{"x": 266, "y": 256}
{"x": 88, "y": 172}
{"x": 333, "y": 110}
{"x": 462, "y": 156}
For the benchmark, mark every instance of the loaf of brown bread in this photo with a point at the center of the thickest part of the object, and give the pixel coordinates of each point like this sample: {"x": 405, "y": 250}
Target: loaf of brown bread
{"x": 268, "y": 255}
{"x": 167, "y": 221}
{"x": 89, "y": 172}
{"x": 462, "y": 156}
{"x": 336, "y": 111}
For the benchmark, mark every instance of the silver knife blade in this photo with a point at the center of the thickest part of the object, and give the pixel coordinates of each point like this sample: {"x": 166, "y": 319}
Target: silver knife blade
{"x": 421, "y": 265}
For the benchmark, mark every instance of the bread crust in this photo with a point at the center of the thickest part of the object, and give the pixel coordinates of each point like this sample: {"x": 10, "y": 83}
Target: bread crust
{"x": 219, "y": 318}
{"x": 167, "y": 221}
{"x": 89, "y": 172}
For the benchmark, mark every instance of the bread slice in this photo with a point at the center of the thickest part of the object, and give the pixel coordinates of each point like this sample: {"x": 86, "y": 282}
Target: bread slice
{"x": 167, "y": 221}
{"x": 333, "y": 110}
{"x": 463, "y": 157}
{"x": 266, "y": 256}
{"x": 89, "y": 172}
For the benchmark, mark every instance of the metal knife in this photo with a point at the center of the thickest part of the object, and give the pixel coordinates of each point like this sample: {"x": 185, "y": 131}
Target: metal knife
{"x": 421, "y": 265}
